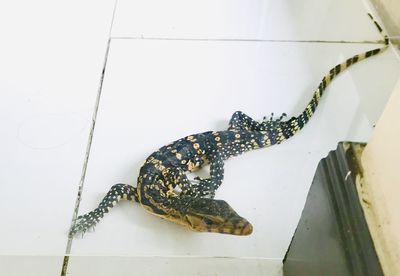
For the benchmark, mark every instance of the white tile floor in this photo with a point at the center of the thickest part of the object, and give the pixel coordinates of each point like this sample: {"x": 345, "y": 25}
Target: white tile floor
{"x": 174, "y": 68}
{"x": 31, "y": 265}
{"x": 188, "y": 266}
{"x": 51, "y": 59}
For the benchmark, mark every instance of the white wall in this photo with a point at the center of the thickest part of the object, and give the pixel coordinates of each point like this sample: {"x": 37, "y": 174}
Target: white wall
{"x": 382, "y": 185}
{"x": 389, "y": 13}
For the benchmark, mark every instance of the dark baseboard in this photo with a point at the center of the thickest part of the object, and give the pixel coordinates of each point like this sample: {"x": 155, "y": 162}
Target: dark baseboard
{"x": 332, "y": 237}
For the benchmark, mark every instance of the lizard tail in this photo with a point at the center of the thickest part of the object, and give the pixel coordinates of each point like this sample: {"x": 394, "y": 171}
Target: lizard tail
{"x": 89, "y": 220}
{"x": 294, "y": 124}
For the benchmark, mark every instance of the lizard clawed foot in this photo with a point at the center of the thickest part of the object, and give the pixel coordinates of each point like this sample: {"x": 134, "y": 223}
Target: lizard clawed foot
{"x": 284, "y": 115}
{"x": 202, "y": 187}
{"x": 271, "y": 118}
{"x": 86, "y": 222}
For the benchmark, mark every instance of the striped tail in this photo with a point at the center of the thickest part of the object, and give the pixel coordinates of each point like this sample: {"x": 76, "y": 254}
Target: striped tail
{"x": 294, "y": 124}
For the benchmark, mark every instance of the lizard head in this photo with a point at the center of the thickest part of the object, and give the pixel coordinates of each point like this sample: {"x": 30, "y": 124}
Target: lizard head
{"x": 210, "y": 215}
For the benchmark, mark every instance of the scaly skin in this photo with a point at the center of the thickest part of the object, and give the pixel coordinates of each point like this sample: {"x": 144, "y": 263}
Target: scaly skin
{"x": 164, "y": 190}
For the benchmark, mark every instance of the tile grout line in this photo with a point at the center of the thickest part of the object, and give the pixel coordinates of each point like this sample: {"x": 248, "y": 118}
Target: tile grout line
{"x": 89, "y": 144}
{"x": 245, "y": 40}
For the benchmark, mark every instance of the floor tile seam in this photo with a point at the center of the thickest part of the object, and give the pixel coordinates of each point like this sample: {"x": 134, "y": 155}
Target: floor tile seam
{"x": 172, "y": 256}
{"x": 159, "y": 38}
{"x": 64, "y": 267}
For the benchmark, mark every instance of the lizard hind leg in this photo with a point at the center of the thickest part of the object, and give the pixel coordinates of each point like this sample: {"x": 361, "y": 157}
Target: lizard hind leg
{"x": 211, "y": 215}
{"x": 241, "y": 121}
{"x": 87, "y": 221}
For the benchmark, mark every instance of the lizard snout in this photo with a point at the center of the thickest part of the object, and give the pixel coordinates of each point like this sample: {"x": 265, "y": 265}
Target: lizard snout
{"x": 210, "y": 215}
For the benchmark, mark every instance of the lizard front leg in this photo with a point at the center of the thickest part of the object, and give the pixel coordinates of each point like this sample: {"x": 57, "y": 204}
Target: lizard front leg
{"x": 116, "y": 193}
{"x": 208, "y": 186}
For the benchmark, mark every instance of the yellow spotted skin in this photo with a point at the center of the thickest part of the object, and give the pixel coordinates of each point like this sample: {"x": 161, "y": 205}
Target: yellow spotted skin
{"x": 164, "y": 190}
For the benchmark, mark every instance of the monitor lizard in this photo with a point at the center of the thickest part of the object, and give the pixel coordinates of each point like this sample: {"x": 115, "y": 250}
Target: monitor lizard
{"x": 164, "y": 190}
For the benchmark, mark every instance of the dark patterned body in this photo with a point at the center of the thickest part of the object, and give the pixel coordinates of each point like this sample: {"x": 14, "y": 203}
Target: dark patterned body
{"x": 163, "y": 188}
